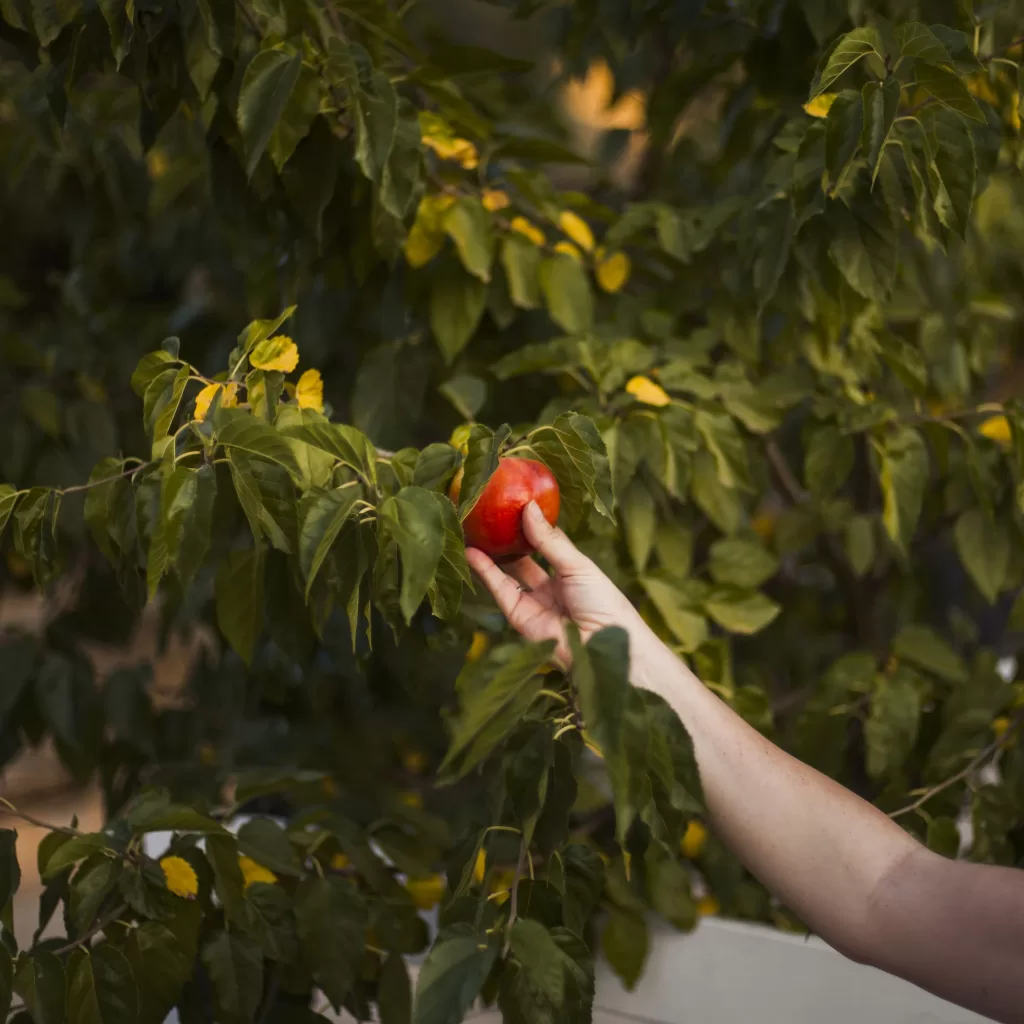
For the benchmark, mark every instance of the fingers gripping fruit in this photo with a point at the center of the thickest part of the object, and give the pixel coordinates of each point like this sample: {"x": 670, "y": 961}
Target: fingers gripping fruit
{"x": 495, "y": 523}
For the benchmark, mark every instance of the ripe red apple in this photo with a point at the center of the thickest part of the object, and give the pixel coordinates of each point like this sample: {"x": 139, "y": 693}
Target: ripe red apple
{"x": 495, "y": 523}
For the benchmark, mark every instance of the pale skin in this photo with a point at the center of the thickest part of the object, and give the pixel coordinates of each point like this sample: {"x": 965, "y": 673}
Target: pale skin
{"x": 853, "y": 875}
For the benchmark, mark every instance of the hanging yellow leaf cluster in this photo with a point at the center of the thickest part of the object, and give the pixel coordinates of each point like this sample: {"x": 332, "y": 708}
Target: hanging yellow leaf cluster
{"x": 309, "y": 391}
{"x": 613, "y": 271}
{"x": 252, "y": 872}
{"x": 997, "y": 428}
{"x": 528, "y": 230}
{"x": 460, "y": 151}
{"x": 573, "y": 225}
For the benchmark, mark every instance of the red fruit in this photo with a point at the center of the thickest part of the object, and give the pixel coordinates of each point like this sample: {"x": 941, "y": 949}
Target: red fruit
{"x": 495, "y": 523}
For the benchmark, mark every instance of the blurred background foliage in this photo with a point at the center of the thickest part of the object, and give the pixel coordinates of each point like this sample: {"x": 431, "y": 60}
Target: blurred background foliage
{"x": 793, "y": 313}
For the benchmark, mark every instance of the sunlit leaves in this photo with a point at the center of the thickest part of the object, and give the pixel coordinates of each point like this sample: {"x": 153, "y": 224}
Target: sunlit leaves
{"x": 903, "y": 475}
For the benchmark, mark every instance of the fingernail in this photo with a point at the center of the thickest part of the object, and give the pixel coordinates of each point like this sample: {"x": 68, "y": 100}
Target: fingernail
{"x": 533, "y": 510}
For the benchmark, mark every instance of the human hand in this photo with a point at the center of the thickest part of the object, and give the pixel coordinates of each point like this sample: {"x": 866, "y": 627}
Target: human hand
{"x": 538, "y": 605}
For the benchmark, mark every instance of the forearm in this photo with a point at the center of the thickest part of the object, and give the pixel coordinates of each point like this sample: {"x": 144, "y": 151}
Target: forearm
{"x": 817, "y": 846}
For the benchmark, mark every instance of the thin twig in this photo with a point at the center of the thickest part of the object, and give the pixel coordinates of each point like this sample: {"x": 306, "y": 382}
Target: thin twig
{"x": 789, "y": 482}
{"x": 106, "y": 479}
{"x": 979, "y": 760}
{"x": 66, "y": 829}
{"x": 513, "y": 905}
{"x": 93, "y": 931}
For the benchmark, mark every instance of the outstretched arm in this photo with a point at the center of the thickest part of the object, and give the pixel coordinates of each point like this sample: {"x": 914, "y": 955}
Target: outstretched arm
{"x": 851, "y": 873}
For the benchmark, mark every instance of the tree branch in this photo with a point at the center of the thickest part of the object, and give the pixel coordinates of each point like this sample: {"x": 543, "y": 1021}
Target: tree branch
{"x": 66, "y": 829}
{"x": 94, "y": 930}
{"x": 994, "y": 747}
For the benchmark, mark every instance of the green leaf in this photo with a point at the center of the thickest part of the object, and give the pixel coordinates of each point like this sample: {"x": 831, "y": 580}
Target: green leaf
{"x": 239, "y": 593}
{"x": 943, "y": 837}
{"x": 322, "y": 515}
{"x": 10, "y": 870}
{"x": 541, "y": 957}
{"x": 457, "y": 303}
{"x": 150, "y": 366}
{"x": 271, "y": 921}
{"x": 161, "y": 966}
{"x": 521, "y": 260}
{"x": 154, "y": 812}
{"x": 8, "y": 499}
{"x": 984, "y": 550}
{"x": 188, "y": 499}
{"x": 93, "y": 882}
{"x": 466, "y": 393}
{"x": 891, "y": 729}
{"x": 903, "y": 476}
{"x": 101, "y": 987}
{"x": 720, "y": 504}
{"x": 489, "y": 712}
{"x": 296, "y": 118}
{"x": 742, "y": 561}
{"x": 668, "y": 888}
{"x": 451, "y": 978}
{"x": 740, "y": 611}
{"x": 923, "y": 647}
{"x": 40, "y": 983}
{"x": 952, "y": 167}
{"x": 413, "y": 518}
{"x": 842, "y": 135}
{"x": 332, "y": 923}
{"x": 235, "y": 965}
{"x": 257, "y": 331}
{"x": 267, "y": 86}
{"x": 948, "y": 88}
{"x": 567, "y": 292}
{"x": 238, "y": 430}
{"x": 726, "y": 445}
{"x": 229, "y": 883}
{"x": 71, "y": 851}
{"x": 480, "y": 465}
{"x": 881, "y": 104}
{"x": 344, "y": 443}
{"x": 394, "y": 993}
{"x": 860, "y": 544}
{"x": 161, "y": 401}
{"x": 639, "y": 515}
{"x": 468, "y": 225}
{"x": 680, "y": 609}
{"x": 573, "y": 449}
{"x": 848, "y": 51}
{"x": 865, "y": 248}
{"x": 267, "y": 843}
{"x": 917, "y": 40}
{"x": 828, "y": 460}
{"x": 624, "y": 943}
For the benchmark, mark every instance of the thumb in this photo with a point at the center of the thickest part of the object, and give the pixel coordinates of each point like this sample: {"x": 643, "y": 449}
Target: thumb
{"x": 550, "y": 541}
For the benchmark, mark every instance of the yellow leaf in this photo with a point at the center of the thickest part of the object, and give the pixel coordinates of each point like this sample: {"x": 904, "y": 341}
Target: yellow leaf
{"x": 501, "y": 886}
{"x": 309, "y": 392}
{"x": 573, "y": 225}
{"x": 205, "y": 397}
{"x": 478, "y": 648}
{"x": 480, "y": 867}
{"x": 821, "y": 105}
{"x": 568, "y": 249}
{"x": 280, "y": 353}
{"x": 426, "y": 236}
{"x": 339, "y": 862}
{"x": 412, "y": 800}
{"x": 461, "y": 151}
{"x": 253, "y": 872}
{"x": 708, "y": 906}
{"x": 613, "y": 272}
{"x": 528, "y": 230}
{"x": 1000, "y": 727}
{"x": 157, "y": 163}
{"x": 426, "y": 893}
{"x": 460, "y": 437}
{"x": 693, "y": 841}
{"x": 494, "y": 199}
{"x": 643, "y": 389}
{"x": 180, "y": 875}
{"x": 997, "y": 428}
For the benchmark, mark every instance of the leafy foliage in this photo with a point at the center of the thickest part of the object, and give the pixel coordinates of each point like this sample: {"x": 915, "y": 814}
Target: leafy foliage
{"x": 777, "y": 384}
